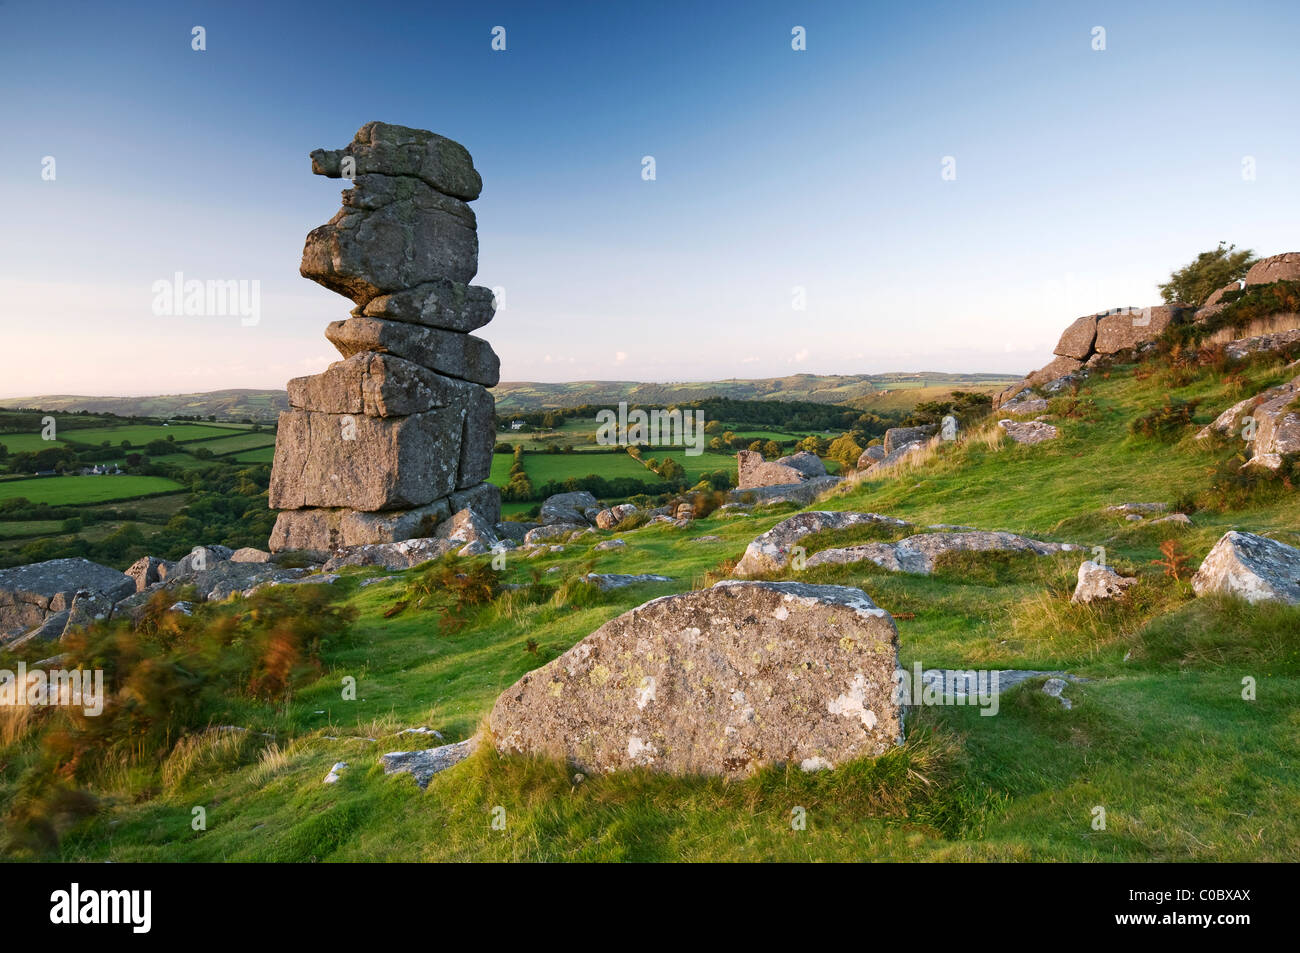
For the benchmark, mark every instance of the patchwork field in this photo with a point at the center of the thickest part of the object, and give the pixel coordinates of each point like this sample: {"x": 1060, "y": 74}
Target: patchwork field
{"x": 63, "y": 490}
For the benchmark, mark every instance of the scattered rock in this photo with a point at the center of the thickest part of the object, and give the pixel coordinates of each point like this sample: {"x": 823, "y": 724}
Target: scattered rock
{"x": 336, "y": 773}
{"x": 899, "y": 437}
{"x": 1097, "y": 582}
{"x": 870, "y": 457}
{"x": 549, "y": 531}
{"x": 1256, "y": 568}
{"x": 567, "y": 508}
{"x": 918, "y": 554}
{"x": 610, "y": 544}
{"x": 1054, "y": 687}
{"x": 423, "y": 765}
{"x": 393, "y": 556}
{"x": 1142, "y": 509}
{"x": 148, "y": 571}
{"x": 250, "y": 555}
{"x": 801, "y": 493}
{"x": 721, "y": 681}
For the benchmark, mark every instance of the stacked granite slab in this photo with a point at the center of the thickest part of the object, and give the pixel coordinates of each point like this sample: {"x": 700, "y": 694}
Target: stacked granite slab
{"x": 390, "y": 441}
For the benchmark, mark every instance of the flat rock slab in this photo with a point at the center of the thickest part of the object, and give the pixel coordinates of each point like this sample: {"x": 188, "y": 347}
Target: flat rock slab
{"x": 423, "y": 765}
{"x": 327, "y": 530}
{"x": 456, "y": 355}
{"x": 720, "y": 681}
{"x": 30, "y": 593}
{"x": 919, "y": 554}
{"x": 1255, "y": 568}
{"x": 377, "y": 385}
{"x": 615, "y": 580}
{"x": 1029, "y": 431}
{"x": 394, "y": 556}
{"x": 772, "y": 551}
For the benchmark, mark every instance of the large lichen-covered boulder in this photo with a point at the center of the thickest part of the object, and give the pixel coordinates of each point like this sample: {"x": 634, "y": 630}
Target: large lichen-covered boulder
{"x": 387, "y": 149}
{"x": 31, "y": 593}
{"x": 377, "y": 385}
{"x": 365, "y": 463}
{"x": 1256, "y": 568}
{"x": 392, "y": 233}
{"x": 567, "y": 508}
{"x": 447, "y": 352}
{"x": 899, "y": 437}
{"x": 806, "y": 462}
{"x": 803, "y": 493}
{"x": 1028, "y": 431}
{"x": 721, "y": 681}
{"x": 1127, "y": 329}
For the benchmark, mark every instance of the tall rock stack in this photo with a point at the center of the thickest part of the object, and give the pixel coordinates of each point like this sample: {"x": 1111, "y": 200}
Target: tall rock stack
{"x": 395, "y": 438}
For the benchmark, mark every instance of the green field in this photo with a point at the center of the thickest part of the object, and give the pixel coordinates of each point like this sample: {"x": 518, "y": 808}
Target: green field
{"x": 73, "y": 490}
{"x": 27, "y": 442}
{"x": 141, "y": 434}
{"x": 264, "y": 455}
{"x": 249, "y": 441}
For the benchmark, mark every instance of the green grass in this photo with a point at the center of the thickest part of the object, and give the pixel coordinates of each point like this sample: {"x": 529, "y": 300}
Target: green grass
{"x": 1160, "y": 735}
{"x": 249, "y": 441}
{"x": 66, "y": 490}
{"x": 264, "y": 455}
{"x": 28, "y": 442}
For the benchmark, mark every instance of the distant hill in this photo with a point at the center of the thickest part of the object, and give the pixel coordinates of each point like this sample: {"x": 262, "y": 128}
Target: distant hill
{"x": 224, "y": 404}
{"x": 864, "y": 391}
{"x": 822, "y": 389}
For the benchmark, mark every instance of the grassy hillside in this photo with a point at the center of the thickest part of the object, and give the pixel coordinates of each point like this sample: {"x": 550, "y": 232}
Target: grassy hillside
{"x": 237, "y": 404}
{"x": 1159, "y": 736}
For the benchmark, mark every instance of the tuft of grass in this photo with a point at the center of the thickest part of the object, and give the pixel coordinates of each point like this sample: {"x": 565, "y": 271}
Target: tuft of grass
{"x": 1216, "y": 631}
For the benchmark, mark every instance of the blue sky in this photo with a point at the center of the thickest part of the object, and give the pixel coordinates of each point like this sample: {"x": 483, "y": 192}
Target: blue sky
{"x": 1082, "y": 176}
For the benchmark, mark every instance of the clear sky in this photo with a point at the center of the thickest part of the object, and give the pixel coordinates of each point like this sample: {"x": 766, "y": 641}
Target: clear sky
{"x": 1082, "y": 176}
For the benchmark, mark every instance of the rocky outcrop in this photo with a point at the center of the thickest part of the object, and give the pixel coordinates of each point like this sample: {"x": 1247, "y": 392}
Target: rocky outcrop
{"x": 1055, "y": 370}
{"x": 870, "y": 457}
{"x": 771, "y": 552}
{"x": 721, "y": 681}
{"x": 1255, "y": 568}
{"x": 31, "y": 594}
{"x": 1275, "y": 413}
{"x": 1096, "y": 582}
{"x": 1024, "y": 403}
{"x": 569, "y": 508}
{"x": 1077, "y": 340}
{"x": 809, "y": 464}
{"x": 375, "y": 449}
{"x": 898, "y": 437}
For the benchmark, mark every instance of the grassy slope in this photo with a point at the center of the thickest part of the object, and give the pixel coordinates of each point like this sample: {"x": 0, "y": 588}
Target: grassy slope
{"x": 1160, "y": 737}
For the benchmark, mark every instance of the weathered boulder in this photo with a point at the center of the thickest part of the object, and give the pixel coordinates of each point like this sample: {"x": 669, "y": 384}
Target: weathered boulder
{"x": 919, "y": 554}
{"x": 1025, "y": 404}
{"x": 365, "y": 463}
{"x": 28, "y": 594}
{"x": 387, "y": 149}
{"x": 196, "y": 560}
{"x": 1058, "y": 368}
{"x": 567, "y": 508}
{"x": 1029, "y": 431}
{"x": 1128, "y": 329}
{"x": 466, "y": 526}
{"x": 801, "y": 493}
{"x": 377, "y": 385}
{"x": 447, "y": 352}
{"x": 1077, "y": 340}
{"x": 513, "y": 530}
{"x": 807, "y": 463}
{"x": 897, "y": 455}
{"x": 753, "y": 471}
{"x": 721, "y": 681}
{"x": 898, "y": 437}
{"x": 146, "y": 571}
{"x": 1243, "y": 348}
{"x": 1284, "y": 267}
{"x": 870, "y": 457}
{"x": 1277, "y": 426}
{"x": 1256, "y": 568}
{"x": 772, "y": 551}
{"x": 250, "y": 555}
{"x": 483, "y": 498}
{"x": 608, "y": 544}
{"x": 552, "y": 531}
{"x": 1096, "y": 582}
{"x": 436, "y": 304}
{"x": 392, "y": 233}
